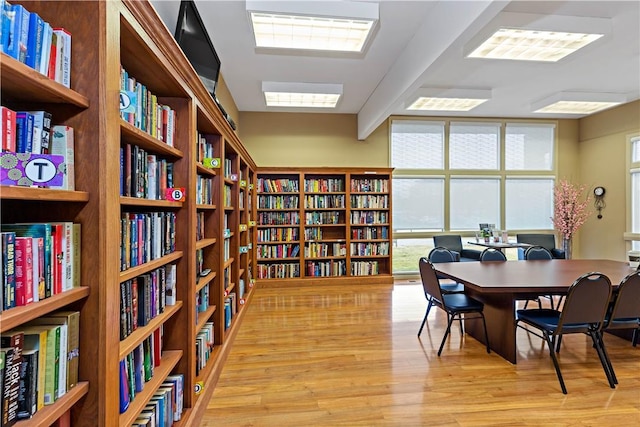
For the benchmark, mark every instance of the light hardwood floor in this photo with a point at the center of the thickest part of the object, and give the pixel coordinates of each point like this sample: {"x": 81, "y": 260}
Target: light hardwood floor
{"x": 335, "y": 356}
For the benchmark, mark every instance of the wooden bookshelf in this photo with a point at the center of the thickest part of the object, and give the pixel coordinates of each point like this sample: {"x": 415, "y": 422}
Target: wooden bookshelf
{"x": 323, "y": 223}
{"x": 106, "y": 36}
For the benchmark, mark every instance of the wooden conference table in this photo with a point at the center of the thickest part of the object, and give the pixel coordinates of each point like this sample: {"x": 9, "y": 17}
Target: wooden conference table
{"x": 498, "y": 284}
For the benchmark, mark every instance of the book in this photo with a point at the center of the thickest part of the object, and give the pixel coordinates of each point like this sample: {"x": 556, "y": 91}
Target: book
{"x": 38, "y": 269}
{"x": 124, "y": 387}
{"x": 43, "y": 66}
{"x": 8, "y": 129}
{"x": 62, "y": 143}
{"x": 63, "y": 74}
{"x": 8, "y": 269}
{"x": 53, "y": 56}
{"x": 8, "y": 376}
{"x": 76, "y": 256}
{"x": 21, "y": 31}
{"x": 41, "y": 132}
{"x": 24, "y": 270}
{"x": 28, "y": 392}
{"x": 178, "y": 381}
{"x": 72, "y": 353}
{"x": 34, "y": 41}
{"x": 15, "y": 341}
{"x": 6, "y": 23}
{"x": 3, "y": 358}
{"x": 35, "y": 338}
{"x": 24, "y": 132}
{"x": 67, "y": 268}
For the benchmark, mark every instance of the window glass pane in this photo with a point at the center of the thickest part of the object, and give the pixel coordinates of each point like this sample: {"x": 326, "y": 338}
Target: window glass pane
{"x": 529, "y": 147}
{"x": 474, "y": 201}
{"x": 417, "y": 144}
{"x": 474, "y": 146}
{"x": 529, "y": 204}
{"x": 418, "y": 204}
{"x": 635, "y": 150}
{"x": 635, "y": 201}
{"x": 407, "y": 252}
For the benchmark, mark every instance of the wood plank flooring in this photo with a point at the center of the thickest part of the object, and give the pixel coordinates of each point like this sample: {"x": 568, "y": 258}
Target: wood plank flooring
{"x": 336, "y": 356}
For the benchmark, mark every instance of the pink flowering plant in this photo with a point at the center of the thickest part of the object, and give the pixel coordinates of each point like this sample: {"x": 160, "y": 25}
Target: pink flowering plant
{"x": 570, "y": 208}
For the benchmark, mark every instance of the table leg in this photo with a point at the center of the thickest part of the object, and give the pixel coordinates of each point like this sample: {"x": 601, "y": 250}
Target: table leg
{"x": 499, "y": 313}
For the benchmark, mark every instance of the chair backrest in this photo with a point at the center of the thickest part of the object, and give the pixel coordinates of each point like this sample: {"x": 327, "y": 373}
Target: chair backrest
{"x": 587, "y": 300}
{"x": 627, "y": 302}
{"x": 453, "y": 242}
{"x": 492, "y": 254}
{"x": 430, "y": 282}
{"x": 547, "y": 241}
{"x": 441, "y": 254}
{"x": 537, "y": 252}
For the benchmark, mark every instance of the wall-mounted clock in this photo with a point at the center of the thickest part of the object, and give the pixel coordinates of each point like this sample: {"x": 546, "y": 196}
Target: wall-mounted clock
{"x": 598, "y": 192}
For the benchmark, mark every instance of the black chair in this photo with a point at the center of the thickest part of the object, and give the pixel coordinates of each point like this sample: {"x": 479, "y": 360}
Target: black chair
{"x": 547, "y": 241}
{"x": 583, "y": 312}
{"x": 437, "y": 255}
{"x": 455, "y": 305}
{"x": 453, "y": 242}
{"x": 624, "y": 311}
{"x": 539, "y": 253}
{"x": 492, "y": 254}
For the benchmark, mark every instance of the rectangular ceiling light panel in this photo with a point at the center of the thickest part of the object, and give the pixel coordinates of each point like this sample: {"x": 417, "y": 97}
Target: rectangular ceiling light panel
{"x": 302, "y": 95}
{"x": 576, "y": 107}
{"x": 449, "y": 99}
{"x": 532, "y": 45}
{"x": 582, "y": 103}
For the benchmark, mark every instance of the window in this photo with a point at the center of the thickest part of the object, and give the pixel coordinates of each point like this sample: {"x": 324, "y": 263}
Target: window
{"x": 417, "y": 145}
{"x": 528, "y": 203}
{"x": 418, "y": 204}
{"x": 474, "y": 200}
{"x": 528, "y": 146}
{"x": 634, "y": 197}
{"x": 474, "y": 146}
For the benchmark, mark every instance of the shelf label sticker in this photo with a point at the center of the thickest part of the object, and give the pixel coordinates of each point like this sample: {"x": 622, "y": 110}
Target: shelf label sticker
{"x": 250, "y": 186}
{"x": 127, "y": 101}
{"x": 176, "y": 194}
{"x": 26, "y": 169}
{"x": 198, "y": 387}
{"x": 211, "y": 162}
{"x": 250, "y": 245}
{"x": 226, "y": 233}
{"x": 244, "y": 249}
{"x": 252, "y": 223}
{"x": 243, "y": 227}
{"x": 242, "y": 301}
{"x": 243, "y": 183}
{"x": 252, "y": 282}
{"x": 233, "y": 177}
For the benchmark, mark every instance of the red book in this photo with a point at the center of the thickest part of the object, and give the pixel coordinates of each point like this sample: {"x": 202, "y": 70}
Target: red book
{"x": 157, "y": 346}
{"x": 53, "y": 57}
{"x": 24, "y": 270}
{"x": 8, "y": 130}
{"x": 57, "y": 234}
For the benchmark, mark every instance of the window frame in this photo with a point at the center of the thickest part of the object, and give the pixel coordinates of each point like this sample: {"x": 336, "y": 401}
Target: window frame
{"x": 632, "y": 237}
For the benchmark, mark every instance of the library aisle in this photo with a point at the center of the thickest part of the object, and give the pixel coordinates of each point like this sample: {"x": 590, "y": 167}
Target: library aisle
{"x": 332, "y": 355}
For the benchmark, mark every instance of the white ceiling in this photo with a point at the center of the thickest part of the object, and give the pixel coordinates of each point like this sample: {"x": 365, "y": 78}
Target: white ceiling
{"x": 421, "y": 44}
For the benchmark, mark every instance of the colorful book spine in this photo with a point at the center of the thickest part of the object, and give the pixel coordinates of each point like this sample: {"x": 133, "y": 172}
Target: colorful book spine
{"x": 8, "y": 129}
{"x": 62, "y": 143}
{"x": 9, "y": 269}
{"x": 24, "y": 270}
{"x": 64, "y": 60}
{"x": 34, "y": 41}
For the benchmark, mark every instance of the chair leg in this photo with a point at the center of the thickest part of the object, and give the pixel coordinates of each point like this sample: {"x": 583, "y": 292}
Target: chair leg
{"x": 558, "y": 342}
{"x": 486, "y": 335}
{"x": 446, "y": 333}
{"x": 539, "y": 303}
{"x": 423, "y": 322}
{"x": 429, "y": 306}
{"x": 598, "y": 343}
{"x": 635, "y": 337}
{"x": 556, "y": 365}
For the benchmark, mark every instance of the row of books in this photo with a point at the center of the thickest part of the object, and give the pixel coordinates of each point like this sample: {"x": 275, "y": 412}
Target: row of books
{"x": 363, "y": 185}
{"x": 228, "y": 168}
{"x": 230, "y": 309}
{"x": 31, "y": 133}
{"x": 204, "y": 149}
{"x": 278, "y": 271}
{"x": 140, "y": 108}
{"x": 146, "y": 296}
{"x": 145, "y": 237}
{"x": 38, "y": 364}
{"x": 144, "y": 175}
{"x": 137, "y": 367}
{"x": 324, "y": 201}
{"x": 39, "y": 260}
{"x": 278, "y": 251}
{"x": 34, "y": 42}
{"x": 367, "y": 201}
{"x": 365, "y": 268}
{"x": 332, "y": 268}
{"x": 200, "y": 225}
{"x": 318, "y": 250}
{"x": 204, "y": 345}
{"x": 370, "y": 233}
{"x": 204, "y": 190}
{"x": 314, "y": 218}
{"x": 367, "y": 249}
{"x": 323, "y": 185}
{"x": 360, "y": 217}
{"x": 287, "y": 234}
{"x": 280, "y": 185}
{"x": 227, "y": 196}
{"x": 278, "y": 218}
{"x": 202, "y": 301}
{"x": 278, "y": 202}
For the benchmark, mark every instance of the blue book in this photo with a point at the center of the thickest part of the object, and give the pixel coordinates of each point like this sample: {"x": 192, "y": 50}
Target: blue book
{"x": 5, "y": 23}
{"x": 34, "y": 41}
{"x": 24, "y": 132}
{"x": 8, "y": 30}
{"x": 8, "y": 269}
{"x": 20, "y": 33}
{"x": 124, "y": 387}
{"x": 47, "y": 34}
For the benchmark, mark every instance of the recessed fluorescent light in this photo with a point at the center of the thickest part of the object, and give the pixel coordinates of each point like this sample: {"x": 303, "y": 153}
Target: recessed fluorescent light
{"x": 580, "y": 103}
{"x": 531, "y": 45}
{"x": 332, "y": 26}
{"x": 432, "y": 99}
{"x": 301, "y": 95}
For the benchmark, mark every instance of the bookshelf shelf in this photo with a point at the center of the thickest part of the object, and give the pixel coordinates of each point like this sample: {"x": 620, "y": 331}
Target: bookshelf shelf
{"x": 206, "y": 207}
{"x": 149, "y": 266}
{"x": 22, "y": 82}
{"x": 142, "y": 139}
{"x": 204, "y": 281}
{"x": 14, "y": 317}
{"x": 132, "y": 341}
{"x": 50, "y": 413}
{"x": 160, "y": 373}
{"x": 205, "y": 171}
{"x": 203, "y": 243}
{"x": 42, "y": 194}
{"x": 134, "y": 201}
{"x": 204, "y": 316}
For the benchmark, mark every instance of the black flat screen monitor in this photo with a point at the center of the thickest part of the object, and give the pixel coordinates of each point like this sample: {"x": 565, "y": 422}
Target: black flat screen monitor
{"x": 194, "y": 40}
